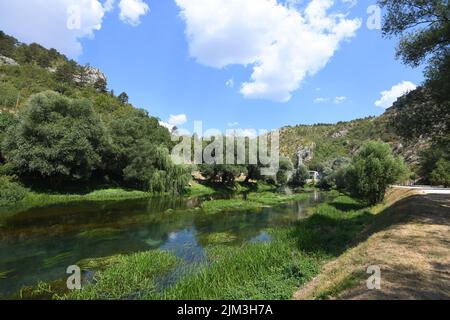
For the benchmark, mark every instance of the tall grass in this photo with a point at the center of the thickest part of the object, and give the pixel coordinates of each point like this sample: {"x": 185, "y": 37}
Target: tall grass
{"x": 128, "y": 277}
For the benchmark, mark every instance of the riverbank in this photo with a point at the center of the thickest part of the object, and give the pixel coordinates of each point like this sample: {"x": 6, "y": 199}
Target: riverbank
{"x": 38, "y": 199}
{"x": 325, "y": 253}
{"x": 273, "y": 267}
{"x": 407, "y": 240}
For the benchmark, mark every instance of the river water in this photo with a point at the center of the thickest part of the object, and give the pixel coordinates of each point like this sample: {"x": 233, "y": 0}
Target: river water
{"x": 40, "y": 243}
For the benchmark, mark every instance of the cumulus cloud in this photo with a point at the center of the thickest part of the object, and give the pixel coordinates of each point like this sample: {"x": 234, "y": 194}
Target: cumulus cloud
{"x": 132, "y": 10}
{"x": 174, "y": 120}
{"x": 61, "y": 24}
{"x": 282, "y": 43}
{"x": 388, "y": 97}
{"x": 53, "y": 23}
{"x": 233, "y": 124}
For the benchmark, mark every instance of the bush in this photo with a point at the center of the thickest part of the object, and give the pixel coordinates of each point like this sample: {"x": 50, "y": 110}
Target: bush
{"x": 10, "y": 192}
{"x": 300, "y": 176}
{"x": 372, "y": 170}
{"x": 441, "y": 175}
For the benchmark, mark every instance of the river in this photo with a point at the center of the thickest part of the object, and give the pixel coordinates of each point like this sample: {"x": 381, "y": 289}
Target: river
{"x": 39, "y": 244}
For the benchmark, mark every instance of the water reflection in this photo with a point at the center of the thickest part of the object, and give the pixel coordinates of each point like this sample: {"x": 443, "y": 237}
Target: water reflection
{"x": 39, "y": 244}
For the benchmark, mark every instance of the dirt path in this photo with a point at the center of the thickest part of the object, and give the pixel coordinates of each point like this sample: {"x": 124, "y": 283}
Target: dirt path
{"x": 409, "y": 241}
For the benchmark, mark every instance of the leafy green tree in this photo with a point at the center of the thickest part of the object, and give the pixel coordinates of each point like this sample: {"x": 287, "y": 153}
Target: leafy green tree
{"x": 140, "y": 154}
{"x": 300, "y": 176}
{"x": 7, "y": 120}
{"x": 372, "y": 170}
{"x": 152, "y": 169}
{"x": 101, "y": 85}
{"x": 429, "y": 159}
{"x": 441, "y": 174}
{"x": 123, "y": 97}
{"x": 66, "y": 72}
{"x": 7, "y": 45}
{"x": 424, "y": 30}
{"x": 56, "y": 139}
{"x": 224, "y": 173}
{"x": 285, "y": 169}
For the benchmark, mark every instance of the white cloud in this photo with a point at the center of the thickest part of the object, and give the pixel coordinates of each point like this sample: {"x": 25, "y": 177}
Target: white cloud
{"x": 61, "y": 24}
{"x": 388, "y": 97}
{"x": 132, "y": 10}
{"x": 46, "y": 22}
{"x": 339, "y": 100}
{"x": 336, "y": 100}
{"x": 282, "y": 44}
{"x": 177, "y": 119}
{"x": 174, "y": 120}
{"x": 109, "y": 5}
{"x": 233, "y": 124}
{"x": 320, "y": 100}
{"x": 230, "y": 83}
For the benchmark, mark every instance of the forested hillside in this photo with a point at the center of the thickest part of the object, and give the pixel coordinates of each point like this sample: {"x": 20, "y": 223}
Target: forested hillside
{"x": 61, "y": 127}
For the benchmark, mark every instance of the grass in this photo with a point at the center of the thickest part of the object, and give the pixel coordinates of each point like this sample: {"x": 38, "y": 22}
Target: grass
{"x": 401, "y": 235}
{"x": 197, "y": 189}
{"x": 221, "y": 237}
{"x": 262, "y": 270}
{"x": 43, "y": 199}
{"x": 128, "y": 277}
{"x": 254, "y": 201}
{"x": 252, "y": 271}
{"x": 274, "y": 270}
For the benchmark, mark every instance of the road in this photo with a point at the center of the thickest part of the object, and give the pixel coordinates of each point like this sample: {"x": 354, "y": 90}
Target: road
{"x": 426, "y": 189}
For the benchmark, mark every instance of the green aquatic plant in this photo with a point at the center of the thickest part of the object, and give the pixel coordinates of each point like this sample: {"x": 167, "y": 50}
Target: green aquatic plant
{"x": 128, "y": 277}
{"x": 104, "y": 233}
{"x": 220, "y": 237}
{"x": 53, "y": 261}
{"x": 4, "y": 274}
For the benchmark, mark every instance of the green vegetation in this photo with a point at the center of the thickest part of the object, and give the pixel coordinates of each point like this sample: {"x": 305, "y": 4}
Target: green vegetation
{"x": 372, "y": 170}
{"x": 441, "y": 174}
{"x": 10, "y": 192}
{"x": 60, "y": 129}
{"x": 128, "y": 277}
{"x": 271, "y": 270}
{"x": 253, "y": 201}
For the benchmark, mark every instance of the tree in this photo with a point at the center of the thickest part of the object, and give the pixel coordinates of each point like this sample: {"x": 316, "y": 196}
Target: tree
{"x": 123, "y": 97}
{"x": 300, "y": 176}
{"x": 7, "y": 120}
{"x": 424, "y": 30}
{"x": 101, "y": 85}
{"x": 66, "y": 72}
{"x": 56, "y": 139}
{"x": 284, "y": 171}
{"x": 7, "y": 45}
{"x": 441, "y": 174}
{"x": 372, "y": 170}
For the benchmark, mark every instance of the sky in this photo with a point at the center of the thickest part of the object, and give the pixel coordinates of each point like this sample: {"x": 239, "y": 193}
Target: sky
{"x": 260, "y": 64}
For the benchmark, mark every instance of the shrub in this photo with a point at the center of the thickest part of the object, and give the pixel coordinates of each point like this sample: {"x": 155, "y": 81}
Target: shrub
{"x": 300, "y": 176}
{"x": 10, "y": 192}
{"x": 373, "y": 169}
{"x": 441, "y": 174}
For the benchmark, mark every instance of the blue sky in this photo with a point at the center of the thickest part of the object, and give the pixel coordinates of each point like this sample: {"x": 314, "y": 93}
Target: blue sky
{"x": 151, "y": 60}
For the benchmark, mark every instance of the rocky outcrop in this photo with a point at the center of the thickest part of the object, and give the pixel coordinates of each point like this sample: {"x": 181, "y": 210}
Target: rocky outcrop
{"x": 305, "y": 154}
{"x": 90, "y": 76}
{"x": 7, "y": 61}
